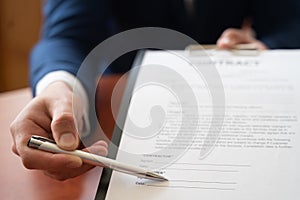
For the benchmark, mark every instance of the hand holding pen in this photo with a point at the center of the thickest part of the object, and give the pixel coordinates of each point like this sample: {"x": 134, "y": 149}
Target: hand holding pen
{"x": 50, "y": 115}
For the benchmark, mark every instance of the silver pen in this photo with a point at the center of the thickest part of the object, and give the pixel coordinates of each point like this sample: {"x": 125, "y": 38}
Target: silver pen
{"x": 45, "y": 144}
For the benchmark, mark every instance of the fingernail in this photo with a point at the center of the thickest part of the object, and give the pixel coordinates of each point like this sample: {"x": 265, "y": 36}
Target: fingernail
{"x": 225, "y": 41}
{"x": 67, "y": 140}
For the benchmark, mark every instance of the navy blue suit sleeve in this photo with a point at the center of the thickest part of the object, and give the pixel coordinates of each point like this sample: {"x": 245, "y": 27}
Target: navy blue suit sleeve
{"x": 72, "y": 28}
{"x": 277, "y": 23}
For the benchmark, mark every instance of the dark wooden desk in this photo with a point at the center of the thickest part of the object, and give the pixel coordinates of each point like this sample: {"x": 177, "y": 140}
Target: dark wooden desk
{"x": 17, "y": 182}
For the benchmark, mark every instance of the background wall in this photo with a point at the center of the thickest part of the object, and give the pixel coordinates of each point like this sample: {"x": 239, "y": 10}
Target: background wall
{"x": 19, "y": 30}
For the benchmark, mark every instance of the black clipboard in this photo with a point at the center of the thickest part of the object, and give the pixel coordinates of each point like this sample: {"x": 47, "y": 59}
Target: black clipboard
{"x": 117, "y": 133}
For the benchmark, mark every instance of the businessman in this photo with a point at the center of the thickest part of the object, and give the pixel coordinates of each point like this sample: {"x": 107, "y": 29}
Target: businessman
{"x": 72, "y": 28}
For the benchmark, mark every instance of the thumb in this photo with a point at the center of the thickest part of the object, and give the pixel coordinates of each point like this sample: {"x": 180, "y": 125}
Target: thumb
{"x": 63, "y": 126}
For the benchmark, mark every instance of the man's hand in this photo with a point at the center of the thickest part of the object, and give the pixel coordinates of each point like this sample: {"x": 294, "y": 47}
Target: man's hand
{"x": 51, "y": 115}
{"x": 231, "y": 37}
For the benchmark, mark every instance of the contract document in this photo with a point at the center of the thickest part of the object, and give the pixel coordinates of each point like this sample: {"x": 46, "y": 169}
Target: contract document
{"x": 217, "y": 124}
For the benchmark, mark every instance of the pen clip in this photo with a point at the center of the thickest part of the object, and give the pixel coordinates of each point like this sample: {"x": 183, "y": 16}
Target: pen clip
{"x": 43, "y": 139}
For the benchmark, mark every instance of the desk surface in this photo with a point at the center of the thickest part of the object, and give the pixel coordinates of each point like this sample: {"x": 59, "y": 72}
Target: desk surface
{"x": 17, "y": 182}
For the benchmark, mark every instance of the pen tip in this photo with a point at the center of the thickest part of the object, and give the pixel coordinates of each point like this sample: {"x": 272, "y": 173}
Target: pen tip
{"x": 161, "y": 178}
{"x": 156, "y": 176}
